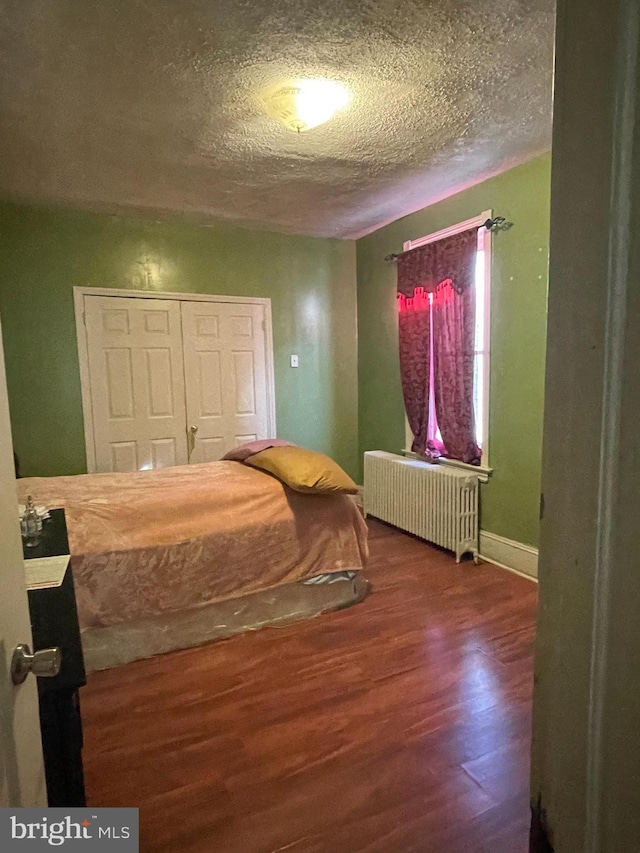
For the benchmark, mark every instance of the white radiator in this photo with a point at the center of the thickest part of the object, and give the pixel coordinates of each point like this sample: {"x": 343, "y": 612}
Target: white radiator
{"x": 436, "y": 502}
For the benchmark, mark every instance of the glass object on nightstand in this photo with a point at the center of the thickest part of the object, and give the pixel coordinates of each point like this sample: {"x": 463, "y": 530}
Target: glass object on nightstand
{"x": 31, "y": 524}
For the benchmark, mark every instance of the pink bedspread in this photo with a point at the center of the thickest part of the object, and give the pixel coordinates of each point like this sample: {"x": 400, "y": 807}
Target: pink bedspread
{"x": 157, "y": 541}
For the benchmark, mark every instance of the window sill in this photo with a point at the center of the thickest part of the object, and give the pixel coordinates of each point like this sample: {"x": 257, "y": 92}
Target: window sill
{"x": 483, "y": 470}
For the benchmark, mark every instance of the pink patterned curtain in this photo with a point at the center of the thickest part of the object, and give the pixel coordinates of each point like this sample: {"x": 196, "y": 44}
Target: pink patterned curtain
{"x": 453, "y": 331}
{"x": 441, "y": 273}
{"x": 414, "y": 328}
{"x": 451, "y": 258}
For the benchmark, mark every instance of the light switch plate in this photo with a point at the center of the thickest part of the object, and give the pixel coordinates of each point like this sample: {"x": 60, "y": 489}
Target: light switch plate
{"x": 294, "y": 361}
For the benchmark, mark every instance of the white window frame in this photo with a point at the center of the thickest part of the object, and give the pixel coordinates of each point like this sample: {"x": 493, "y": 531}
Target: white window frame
{"x": 467, "y": 225}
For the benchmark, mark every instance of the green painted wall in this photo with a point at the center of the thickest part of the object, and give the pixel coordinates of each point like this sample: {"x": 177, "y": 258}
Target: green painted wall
{"x": 45, "y": 253}
{"x": 518, "y": 328}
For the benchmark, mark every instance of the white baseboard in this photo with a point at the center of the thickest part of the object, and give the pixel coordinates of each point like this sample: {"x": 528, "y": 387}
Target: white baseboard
{"x": 519, "y": 558}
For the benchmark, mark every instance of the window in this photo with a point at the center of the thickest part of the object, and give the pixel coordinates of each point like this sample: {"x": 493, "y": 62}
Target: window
{"x": 482, "y": 284}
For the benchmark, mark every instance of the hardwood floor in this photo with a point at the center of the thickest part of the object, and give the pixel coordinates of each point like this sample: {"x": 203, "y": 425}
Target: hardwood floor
{"x": 401, "y": 724}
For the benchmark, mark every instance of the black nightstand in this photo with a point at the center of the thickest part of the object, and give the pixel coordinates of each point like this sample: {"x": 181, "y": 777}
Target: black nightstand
{"x": 54, "y": 622}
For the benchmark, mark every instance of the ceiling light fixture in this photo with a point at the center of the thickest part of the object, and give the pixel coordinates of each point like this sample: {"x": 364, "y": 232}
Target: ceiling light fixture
{"x": 304, "y": 104}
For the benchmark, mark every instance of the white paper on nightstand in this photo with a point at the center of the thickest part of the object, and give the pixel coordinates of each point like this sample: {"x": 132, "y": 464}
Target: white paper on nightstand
{"x": 43, "y": 572}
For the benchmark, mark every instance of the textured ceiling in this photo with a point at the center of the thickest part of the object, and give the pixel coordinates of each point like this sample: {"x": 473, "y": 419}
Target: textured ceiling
{"x": 155, "y": 105}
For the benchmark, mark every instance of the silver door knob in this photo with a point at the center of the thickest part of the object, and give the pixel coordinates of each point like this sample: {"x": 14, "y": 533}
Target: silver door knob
{"x": 44, "y": 664}
{"x": 193, "y": 429}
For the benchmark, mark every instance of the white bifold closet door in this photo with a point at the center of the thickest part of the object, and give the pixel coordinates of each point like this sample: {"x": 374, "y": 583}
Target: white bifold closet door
{"x": 137, "y": 382}
{"x": 225, "y": 370}
{"x": 173, "y": 381}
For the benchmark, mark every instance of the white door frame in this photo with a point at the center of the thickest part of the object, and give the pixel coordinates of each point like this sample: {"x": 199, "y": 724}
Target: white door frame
{"x": 79, "y": 294}
{"x": 586, "y": 713}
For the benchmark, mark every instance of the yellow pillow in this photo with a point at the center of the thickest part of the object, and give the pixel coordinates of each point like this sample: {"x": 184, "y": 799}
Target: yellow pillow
{"x": 303, "y": 470}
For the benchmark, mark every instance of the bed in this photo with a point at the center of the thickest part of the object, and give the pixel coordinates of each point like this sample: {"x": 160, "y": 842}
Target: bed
{"x": 174, "y": 557}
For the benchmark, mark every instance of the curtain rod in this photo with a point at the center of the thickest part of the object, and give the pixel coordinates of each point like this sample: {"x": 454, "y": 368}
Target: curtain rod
{"x": 498, "y": 223}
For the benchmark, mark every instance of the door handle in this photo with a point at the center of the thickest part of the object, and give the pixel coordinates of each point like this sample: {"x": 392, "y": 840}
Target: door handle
{"x": 193, "y": 429}
{"x": 44, "y": 664}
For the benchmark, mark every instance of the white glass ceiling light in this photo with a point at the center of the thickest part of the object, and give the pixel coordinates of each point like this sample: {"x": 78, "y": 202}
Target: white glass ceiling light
{"x": 304, "y": 104}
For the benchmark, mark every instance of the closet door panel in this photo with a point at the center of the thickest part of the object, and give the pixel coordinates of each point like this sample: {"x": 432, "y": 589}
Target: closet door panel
{"x": 247, "y": 392}
{"x": 164, "y": 453}
{"x": 203, "y": 353}
{"x": 209, "y": 449}
{"x": 124, "y": 456}
{"x": 136, "y": 372}
{"x": 226, "y": 380}
{"x": 208, "y": 382}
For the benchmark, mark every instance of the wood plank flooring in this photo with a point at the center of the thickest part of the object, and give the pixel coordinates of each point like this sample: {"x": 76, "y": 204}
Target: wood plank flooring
{"x": 401, "y": 724}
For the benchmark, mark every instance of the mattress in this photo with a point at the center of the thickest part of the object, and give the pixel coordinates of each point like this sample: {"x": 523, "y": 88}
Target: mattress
{"x": 157, "y": 542}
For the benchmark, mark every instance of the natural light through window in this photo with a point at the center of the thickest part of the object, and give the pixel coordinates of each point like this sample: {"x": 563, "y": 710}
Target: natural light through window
{"x": 481, "y": 347}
